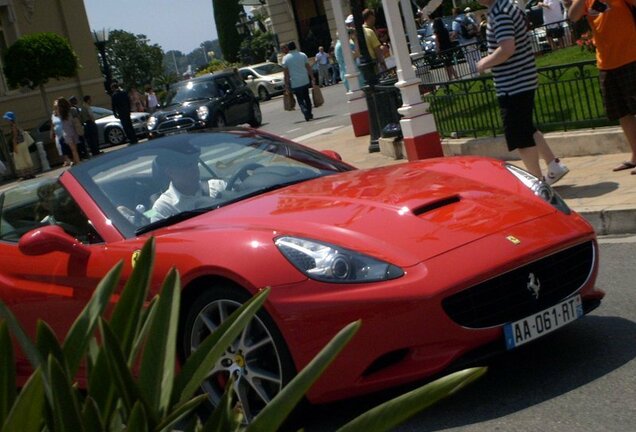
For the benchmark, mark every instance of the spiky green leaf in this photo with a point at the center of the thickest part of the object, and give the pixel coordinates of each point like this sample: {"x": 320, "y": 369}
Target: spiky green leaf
{"x": 224, "y": 418}
{"x": 179, "y": 413}
{"x": 137, "y": 422}
{"x": 198, "y": 365}
{"x": 7, "y": 373}
{"x": 277, "y": 410}
{"x": 47, "y": 342}
{"x": 390, "y": 414}
{"x": 28, "y": 347}
{"x": 90, "y": 415}
{"x": 78, "y": 337}
{"x": 156, "y": 377}
{"x": 120, "y": 374}
{"x": 101, "y": 387}
{"x": 28, "y": 410}
{"x": 125, "y": 320}
{"x": 147, "y": 317}
{"x": 64, "y": 404}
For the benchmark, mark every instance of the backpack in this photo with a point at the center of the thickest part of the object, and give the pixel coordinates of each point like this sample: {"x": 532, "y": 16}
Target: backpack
{"x": 468, "y": 28}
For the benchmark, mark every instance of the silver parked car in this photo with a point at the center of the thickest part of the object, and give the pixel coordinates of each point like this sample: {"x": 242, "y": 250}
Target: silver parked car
{"x": 109, "y": 127}
{"x": 264, "y": 79}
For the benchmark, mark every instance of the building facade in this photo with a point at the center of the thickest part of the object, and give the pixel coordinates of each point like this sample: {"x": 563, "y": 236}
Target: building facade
{"x": 66, "y": 18}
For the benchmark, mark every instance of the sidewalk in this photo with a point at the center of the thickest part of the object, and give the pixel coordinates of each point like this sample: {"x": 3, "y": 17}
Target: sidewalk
{"x": 605, "y": 198}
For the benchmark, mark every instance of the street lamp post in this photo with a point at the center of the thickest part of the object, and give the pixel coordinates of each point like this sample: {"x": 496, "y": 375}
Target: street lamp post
{"x": 100, "y": 37}
{"x": 243, "y": 29}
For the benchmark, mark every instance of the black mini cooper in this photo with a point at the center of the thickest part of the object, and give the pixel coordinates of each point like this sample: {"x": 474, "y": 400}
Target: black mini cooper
{"x": 213, "y": 100}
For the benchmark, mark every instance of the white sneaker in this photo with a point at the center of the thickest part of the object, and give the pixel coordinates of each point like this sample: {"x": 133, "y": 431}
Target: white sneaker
{"x": 556, "y": 171}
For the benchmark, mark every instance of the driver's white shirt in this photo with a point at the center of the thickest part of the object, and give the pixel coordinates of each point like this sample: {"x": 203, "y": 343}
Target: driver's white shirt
{"x": 172, "y": 201}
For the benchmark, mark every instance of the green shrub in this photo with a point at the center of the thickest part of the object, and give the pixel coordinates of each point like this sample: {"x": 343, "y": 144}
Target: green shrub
{"x": 157, "y": 397}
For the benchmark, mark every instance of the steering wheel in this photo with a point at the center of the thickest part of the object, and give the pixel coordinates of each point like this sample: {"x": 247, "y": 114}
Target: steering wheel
{"x": 242, "y": 173}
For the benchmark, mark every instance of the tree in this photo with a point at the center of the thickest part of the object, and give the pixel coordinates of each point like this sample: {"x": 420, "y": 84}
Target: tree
{"x": 225, "y": 17}
{"x": 133, "y": 60}
{"x": 36, "y": 58}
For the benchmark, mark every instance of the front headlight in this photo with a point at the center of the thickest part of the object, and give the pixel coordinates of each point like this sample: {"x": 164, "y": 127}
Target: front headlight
{"x": 329, "y": 263}
{"x": 152, "y": 122}
{"x": 203, "y": 112}
{"x": 540, "y": 188}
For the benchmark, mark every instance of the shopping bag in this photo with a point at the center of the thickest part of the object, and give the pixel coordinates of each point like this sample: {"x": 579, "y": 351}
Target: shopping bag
{"x": 316, "y": 95}
{"x": 289, "y": 101}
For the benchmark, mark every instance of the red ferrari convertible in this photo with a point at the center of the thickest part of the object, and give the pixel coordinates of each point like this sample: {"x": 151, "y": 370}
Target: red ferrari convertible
{"x": 443, "y": 260}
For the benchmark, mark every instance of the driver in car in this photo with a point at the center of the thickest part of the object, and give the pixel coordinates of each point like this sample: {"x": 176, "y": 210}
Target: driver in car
{"x": 186, "y": 190}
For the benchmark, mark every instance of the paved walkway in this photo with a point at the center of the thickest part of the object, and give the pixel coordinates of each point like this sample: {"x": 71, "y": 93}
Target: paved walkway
{"x": 605, "y": 198}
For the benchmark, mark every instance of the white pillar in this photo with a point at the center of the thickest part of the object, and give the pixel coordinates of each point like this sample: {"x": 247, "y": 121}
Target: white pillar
{"x": 411, "y": 28}
{"x": 421, "y": 139}
{"x": 358, "y": 110}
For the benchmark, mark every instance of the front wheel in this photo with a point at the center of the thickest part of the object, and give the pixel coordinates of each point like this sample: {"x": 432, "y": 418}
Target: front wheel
{"x": 258, "y": 359}
{"x": 114, "y": 135}
{"x": 263, "y": 94}
{"x": 256, "y": 118}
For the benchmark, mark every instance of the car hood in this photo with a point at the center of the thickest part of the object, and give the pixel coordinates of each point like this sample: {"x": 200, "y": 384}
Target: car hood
{"x": 404, "y": 214}
{"x": 276, "y": 76}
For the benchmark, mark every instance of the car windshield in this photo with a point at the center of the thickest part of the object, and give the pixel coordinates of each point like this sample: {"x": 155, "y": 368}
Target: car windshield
{"x": 268, "y": 69}
{"x": 191, "y": 91}
{"x": 99, "y": 112}
{"x": 169, "y": 179}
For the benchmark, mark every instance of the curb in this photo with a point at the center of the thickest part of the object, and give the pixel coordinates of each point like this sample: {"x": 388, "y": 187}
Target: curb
{"x": 611, "y": 221}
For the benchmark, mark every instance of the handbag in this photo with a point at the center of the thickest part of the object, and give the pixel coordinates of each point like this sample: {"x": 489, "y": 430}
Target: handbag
{"x": 288, "y": 101}
{"x": 316, "y": 95}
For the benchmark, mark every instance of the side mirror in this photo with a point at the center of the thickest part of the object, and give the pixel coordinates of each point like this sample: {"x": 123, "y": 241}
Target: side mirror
{"x": 332, "y": 154}
{"x": 250, "y": 77}
{"x": 51, "y": 238}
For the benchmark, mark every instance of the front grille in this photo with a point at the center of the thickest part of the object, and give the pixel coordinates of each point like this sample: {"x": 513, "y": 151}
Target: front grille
{"x": 178, "y": 123}
{"x": 508, "y": 298}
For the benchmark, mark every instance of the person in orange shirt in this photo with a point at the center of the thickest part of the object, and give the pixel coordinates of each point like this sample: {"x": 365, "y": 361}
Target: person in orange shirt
{"x": 614, "y": 33}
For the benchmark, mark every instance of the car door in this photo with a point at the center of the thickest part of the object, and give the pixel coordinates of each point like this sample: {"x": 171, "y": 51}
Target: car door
{"x": 52, "y": 285}
{"x": 235, "y": 99}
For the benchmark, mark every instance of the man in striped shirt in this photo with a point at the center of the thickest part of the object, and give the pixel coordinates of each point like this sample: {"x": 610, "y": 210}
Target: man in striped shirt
{"x": 511, "y": 59}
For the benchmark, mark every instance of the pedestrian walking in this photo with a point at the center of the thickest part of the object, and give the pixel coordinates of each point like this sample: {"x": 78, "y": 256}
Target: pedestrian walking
{"x": 57, "y": 135}
{"x": 70, "y": 135}
{"x": 121, "y": 109}
{"x": 79, "y": 128}
{"x": 299, "y": 78}
{"x": 20, "y": 142}
{"x": 91, "y": 134}
{"x": 552, "y": 19}
{"x": 322, "y": 59}
{"x": 371, "y": 39}
{"x": 152, "y": 102}
{"x": 444, "y": 47}
{"x": 511, "y": 59}
{"x": 614, "y": 33}
{"x": 136, "y": 100}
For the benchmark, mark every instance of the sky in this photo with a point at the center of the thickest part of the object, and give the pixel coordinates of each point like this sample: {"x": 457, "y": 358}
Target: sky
{"x": 172, "y": 24}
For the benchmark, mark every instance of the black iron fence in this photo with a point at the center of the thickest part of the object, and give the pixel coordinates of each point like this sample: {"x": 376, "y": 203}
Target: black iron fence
{"x": 568, "y": 97}
{"x": 435, "y": 67}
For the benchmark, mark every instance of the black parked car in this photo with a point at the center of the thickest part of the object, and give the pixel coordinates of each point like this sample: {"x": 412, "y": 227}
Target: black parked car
{"x": 213, "y": 100}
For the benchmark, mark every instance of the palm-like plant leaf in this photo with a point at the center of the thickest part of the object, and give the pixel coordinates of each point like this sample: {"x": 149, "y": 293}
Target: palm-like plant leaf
{"x": 156, "y": 378}
{"x": 390, "y": 414}
{"x": 28, "y": 347}
{"x": 275, "y": 412}
{"x": 125, "y": 320}
{"x": 90, "y": 415}
{"x": 47, "y": 342}
{"x": 223, "y": 418}
{"x": 137, "y": 422}
{"x": 180, "y": 412}
{"x": 28, "y": 410}
{"x": 81, "y": 331}
{"x": 7, "y": 373}
{"x": 66, "y": 413}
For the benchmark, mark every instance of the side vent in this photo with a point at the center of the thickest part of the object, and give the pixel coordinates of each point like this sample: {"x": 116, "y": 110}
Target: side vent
{"x": 435, "y": 205}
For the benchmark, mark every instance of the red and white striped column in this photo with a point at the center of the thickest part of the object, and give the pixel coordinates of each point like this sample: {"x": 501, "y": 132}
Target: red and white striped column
{"x": 421, "y": 139}
{"x": 358, "y": 110}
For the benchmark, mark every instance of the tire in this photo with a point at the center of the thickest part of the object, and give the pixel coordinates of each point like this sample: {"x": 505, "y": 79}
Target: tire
{"x": 263, "y": 94}
{"x": 219, "y": 121}
{"x": 270, "y": 357}
{"x": 256, "y": 117}
{"x": 114, "y": 136}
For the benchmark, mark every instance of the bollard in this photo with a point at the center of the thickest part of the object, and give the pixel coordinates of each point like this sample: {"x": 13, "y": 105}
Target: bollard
{"x": 43, "y": 159}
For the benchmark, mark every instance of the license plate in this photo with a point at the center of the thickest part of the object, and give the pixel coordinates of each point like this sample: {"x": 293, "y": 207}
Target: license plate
{"x": 542, "y": 323}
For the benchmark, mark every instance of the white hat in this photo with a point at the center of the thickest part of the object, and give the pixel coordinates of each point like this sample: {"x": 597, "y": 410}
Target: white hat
{"x": 349, "y": 19}
{"x": 468, "y": 10}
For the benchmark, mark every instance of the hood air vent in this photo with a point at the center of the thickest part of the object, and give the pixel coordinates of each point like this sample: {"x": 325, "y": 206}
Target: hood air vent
{"x": 418, "y": 211}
